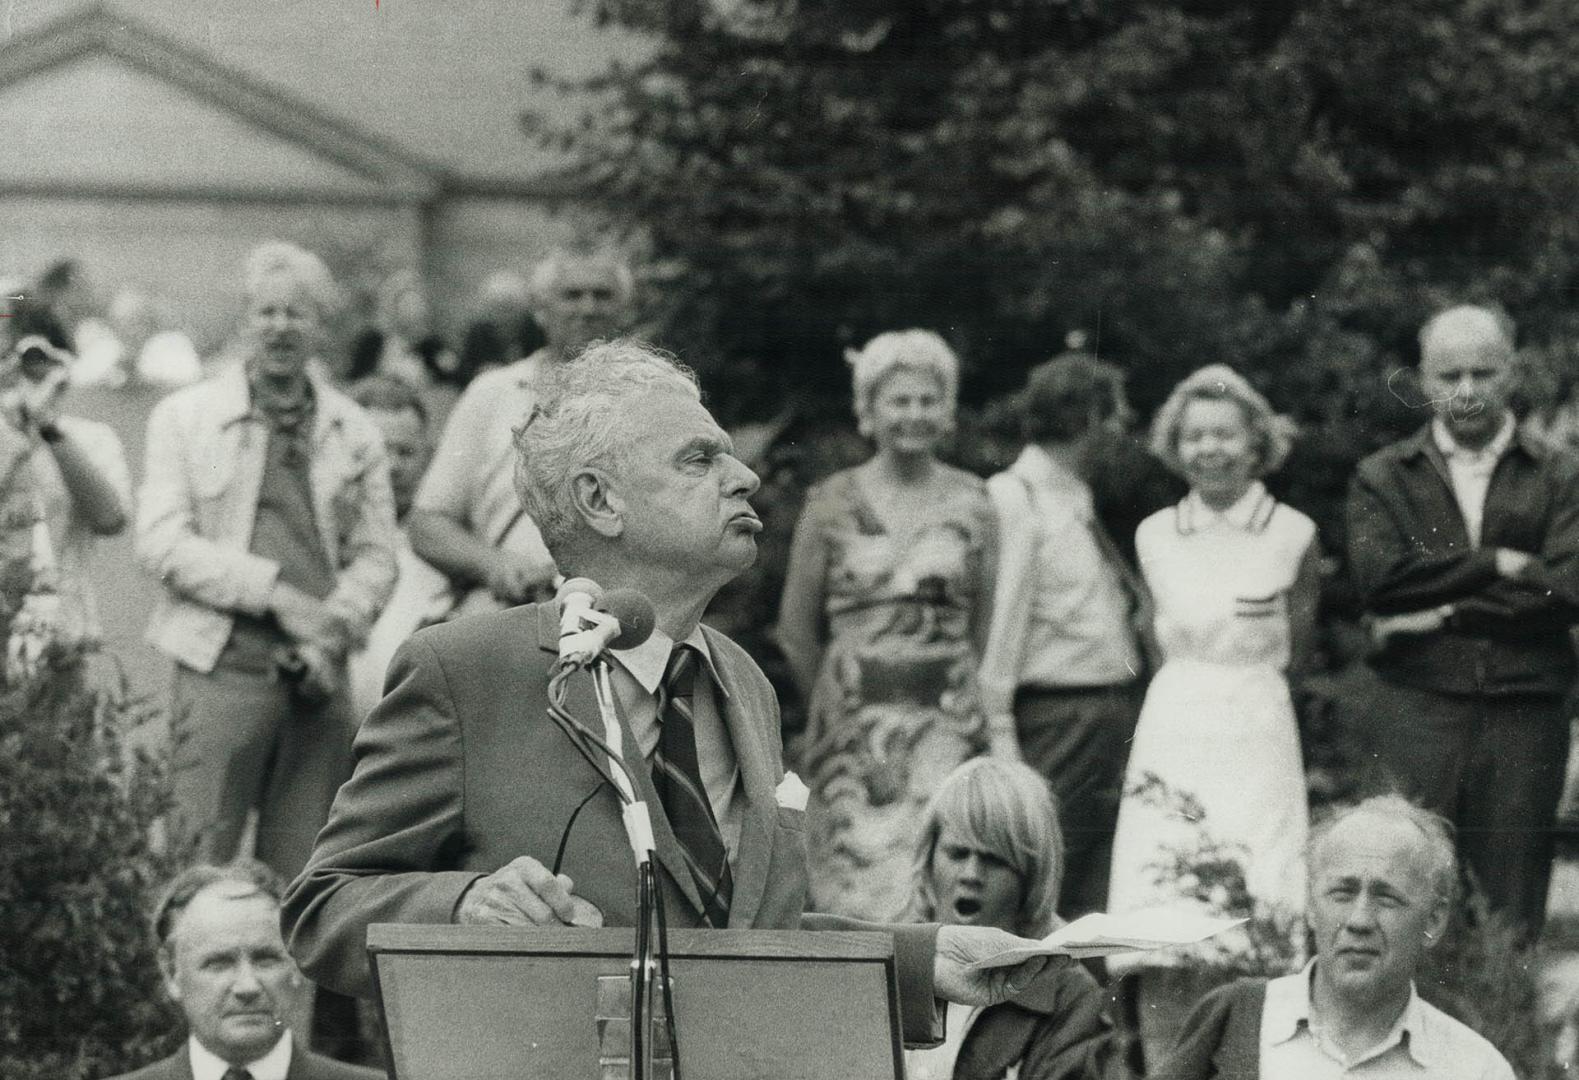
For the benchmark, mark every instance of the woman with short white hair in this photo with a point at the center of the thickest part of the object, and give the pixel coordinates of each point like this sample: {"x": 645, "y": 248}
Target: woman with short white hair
{"x": 882, "y": 618}
{"x": 1214, "y": 769}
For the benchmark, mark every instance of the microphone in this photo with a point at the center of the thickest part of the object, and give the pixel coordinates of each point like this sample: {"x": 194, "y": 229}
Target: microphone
{"x": 622, "y": 619}
{"x": 575, "y": 598}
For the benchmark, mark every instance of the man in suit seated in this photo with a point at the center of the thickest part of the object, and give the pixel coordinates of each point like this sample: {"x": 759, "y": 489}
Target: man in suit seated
{"x": 1382, "y": 878}
{"x": 225, "y": 965}
{"x": 464, "y": 791}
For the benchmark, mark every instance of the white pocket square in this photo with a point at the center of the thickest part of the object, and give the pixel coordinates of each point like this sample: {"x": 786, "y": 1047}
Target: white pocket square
{"x": 792, "y": 793}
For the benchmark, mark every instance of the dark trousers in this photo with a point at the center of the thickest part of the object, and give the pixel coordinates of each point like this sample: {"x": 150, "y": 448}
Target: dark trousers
{"x": 1493, "y": 766}
{"x": 242, "y": 742}
{"x": 1078, "y": 737}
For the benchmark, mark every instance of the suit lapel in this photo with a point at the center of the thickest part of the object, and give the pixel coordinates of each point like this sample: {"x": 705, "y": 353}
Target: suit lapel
{"x": 739, "y": 707}
{"x": 581, "y": 701}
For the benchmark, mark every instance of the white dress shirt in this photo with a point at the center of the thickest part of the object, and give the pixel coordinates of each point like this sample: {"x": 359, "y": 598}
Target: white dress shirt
{"x": 1061, "y": 615}
{"x": 1424, "y": 1042}
{"x": 274, "y": 1065}
{"x": 1469, "y": 471}
{"x": 636, "y": 675}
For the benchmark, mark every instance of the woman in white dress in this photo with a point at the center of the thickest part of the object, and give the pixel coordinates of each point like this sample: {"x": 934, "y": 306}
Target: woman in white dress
{"x": 1215, "y": 769}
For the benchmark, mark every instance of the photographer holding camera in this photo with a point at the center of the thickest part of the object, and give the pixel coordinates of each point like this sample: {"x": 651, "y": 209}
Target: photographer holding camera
{"x": 81, "y": 487}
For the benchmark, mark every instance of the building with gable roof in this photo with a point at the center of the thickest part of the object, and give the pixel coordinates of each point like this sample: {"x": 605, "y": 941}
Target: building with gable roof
{"x": 158, "y": 155}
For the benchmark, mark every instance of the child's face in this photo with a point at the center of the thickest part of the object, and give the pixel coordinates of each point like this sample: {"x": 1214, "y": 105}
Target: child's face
{"x": 973, "y": 887}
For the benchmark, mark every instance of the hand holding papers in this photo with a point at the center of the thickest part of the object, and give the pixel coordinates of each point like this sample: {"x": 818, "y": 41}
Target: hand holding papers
{"x": 1098, "y": 934}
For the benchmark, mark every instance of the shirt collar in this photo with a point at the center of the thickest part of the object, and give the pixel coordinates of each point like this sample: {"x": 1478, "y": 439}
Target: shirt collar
{"x": 1248, "y": 513}
{"x": 526, "y": 370}
{"x": 1493, "y": 450}
{"x": 647, "y": 661}
{"x": 233, "y": 399}
{"x": 1040, "y": 467}
{"x": 1287, "y": 1005}
{"x": 275, "y": 1065}
{"x": 1287, "y": 1010}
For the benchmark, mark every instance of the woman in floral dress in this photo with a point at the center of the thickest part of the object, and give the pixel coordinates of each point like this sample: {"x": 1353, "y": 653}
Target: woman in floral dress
{"x": 882, "y": 618}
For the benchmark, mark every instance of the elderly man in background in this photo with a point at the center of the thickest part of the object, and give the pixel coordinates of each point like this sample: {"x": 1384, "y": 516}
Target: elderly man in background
{"x": 467, "y": 521}
{"x": 1464, "y": 543}
{"x": 224, "y": 964}
{"x": 266, "y": 512}
{"x": 1382, "y": 879}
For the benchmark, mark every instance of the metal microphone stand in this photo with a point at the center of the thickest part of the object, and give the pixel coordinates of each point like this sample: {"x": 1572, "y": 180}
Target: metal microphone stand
{"x": 638, "y": 829}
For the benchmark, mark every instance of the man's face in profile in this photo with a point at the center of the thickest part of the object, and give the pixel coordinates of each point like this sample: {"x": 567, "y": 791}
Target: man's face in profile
{"x": 584, "y": 302}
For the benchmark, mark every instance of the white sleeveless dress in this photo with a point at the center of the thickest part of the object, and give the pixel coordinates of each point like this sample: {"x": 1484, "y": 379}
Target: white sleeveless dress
{"x": 1217, "y": 727}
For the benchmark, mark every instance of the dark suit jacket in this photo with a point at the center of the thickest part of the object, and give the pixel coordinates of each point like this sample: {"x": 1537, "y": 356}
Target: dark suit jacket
{"x": 1221, "y": 1039}
{"x": 459, "y": 771}
{"x": 305, "y": 1065}
{"x": 1409, "y": 551}
{"x": 1065, "y": 1035}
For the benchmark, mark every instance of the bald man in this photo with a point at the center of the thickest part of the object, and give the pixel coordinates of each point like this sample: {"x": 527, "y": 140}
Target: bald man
{"x": 1464, "y": 543}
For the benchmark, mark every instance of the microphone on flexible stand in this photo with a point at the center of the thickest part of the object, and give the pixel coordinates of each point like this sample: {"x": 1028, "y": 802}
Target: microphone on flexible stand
{"x": 619, "y": 619}
{"x": 590, "y": 623}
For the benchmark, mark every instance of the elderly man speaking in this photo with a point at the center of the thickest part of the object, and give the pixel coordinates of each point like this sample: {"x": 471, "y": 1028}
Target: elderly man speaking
{"x": 464, "y": 790}
{"x": 1382, "y": 877}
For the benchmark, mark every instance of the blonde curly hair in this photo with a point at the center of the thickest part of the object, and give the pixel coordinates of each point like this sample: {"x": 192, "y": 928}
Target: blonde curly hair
{"x": 1272, "y": 433}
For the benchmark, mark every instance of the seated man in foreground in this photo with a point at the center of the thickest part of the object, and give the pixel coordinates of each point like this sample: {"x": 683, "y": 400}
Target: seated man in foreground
{"x": 1382, "y": 877}
{"x": 225, "y": 965}
{"x": 464, "y": 790}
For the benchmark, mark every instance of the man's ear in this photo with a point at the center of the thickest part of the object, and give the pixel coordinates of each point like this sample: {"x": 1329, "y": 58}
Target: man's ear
{"x": 1436, "y": 929}
{"x": 598, "y": 502}
{"x": 167, "y": 971}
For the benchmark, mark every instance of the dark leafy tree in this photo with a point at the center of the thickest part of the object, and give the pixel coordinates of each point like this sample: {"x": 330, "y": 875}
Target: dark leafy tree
{"x": 1287, "y": 185}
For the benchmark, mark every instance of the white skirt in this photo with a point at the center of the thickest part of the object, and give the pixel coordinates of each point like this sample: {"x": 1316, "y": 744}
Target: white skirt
{"x": 1214, "y": 772}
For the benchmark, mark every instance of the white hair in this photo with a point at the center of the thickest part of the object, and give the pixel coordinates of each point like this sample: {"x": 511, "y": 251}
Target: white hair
{"x": 304, "y": 269}
{"x": 901, "y": 350}
{"x": 1436, "y": 836}
{"x": 546, "y": 273}
{"x": 581, "y": 419}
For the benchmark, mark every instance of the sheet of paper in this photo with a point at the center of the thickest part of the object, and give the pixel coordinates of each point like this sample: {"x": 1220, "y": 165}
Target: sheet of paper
{"x": 1099, "y": 934}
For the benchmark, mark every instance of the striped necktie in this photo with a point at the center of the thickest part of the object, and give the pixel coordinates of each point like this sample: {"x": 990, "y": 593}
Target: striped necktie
{"x": 678, "y": 777}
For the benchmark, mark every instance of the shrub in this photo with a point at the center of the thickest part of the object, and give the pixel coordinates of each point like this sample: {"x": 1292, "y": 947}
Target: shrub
{"x": 80, "y": 995}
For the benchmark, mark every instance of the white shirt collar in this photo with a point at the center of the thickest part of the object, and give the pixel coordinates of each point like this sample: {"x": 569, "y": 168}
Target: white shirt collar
{"x": 1040, "y": 467}
{"x": 1287, "y": 1009}
{"x": 1491, "y": 452}
{"x": 646, "y": 662}
{"x": 275, "y": 1065}
{"x": 1248, "y": 513}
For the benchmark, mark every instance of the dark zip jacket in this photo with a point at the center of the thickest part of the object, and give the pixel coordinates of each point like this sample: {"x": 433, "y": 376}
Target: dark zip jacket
{"x": 1409, "y": 550}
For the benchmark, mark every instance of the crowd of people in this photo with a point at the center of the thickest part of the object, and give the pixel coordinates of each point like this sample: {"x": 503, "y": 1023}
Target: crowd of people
{"x": 1010, "y": 722}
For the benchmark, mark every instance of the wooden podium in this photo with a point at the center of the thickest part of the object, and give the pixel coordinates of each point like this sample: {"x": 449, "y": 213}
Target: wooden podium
{"x": 500, "y": 1003}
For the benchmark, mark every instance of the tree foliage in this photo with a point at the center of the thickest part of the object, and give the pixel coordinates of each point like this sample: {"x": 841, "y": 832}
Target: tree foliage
{"x": 1287, "y": 185}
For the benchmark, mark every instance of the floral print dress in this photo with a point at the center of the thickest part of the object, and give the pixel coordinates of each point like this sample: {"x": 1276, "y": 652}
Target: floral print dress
{"x": 895, "y": 707}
